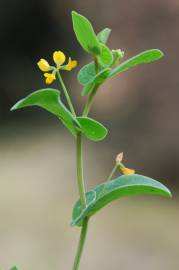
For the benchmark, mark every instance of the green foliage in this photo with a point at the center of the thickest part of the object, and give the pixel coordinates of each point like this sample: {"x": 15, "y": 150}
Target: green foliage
{"x": 126, "y": 185}
{"x": 104, "y": 35}
{"x": 87, "y": 89}
{"x": 105, "y": 58}
{"x": 92, "y": 129}
{"x": 85, "y": 34}
{"x": 87, "y": 74}
{"x": 97, "y": 80}
{"x": 49, "y": 99}
{"x": 141, "y": 58}
{"x": 91, "y": 76}
{"x": 13, "y": 268}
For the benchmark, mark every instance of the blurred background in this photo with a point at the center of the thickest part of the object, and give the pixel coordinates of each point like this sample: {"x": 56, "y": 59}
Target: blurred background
{"x": 37, "y": 155}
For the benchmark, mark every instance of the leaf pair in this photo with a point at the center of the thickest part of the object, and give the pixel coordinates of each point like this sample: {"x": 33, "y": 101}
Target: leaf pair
{"x": 49, "y": 99}
{"x": 122, "y": 186}
{"x": 88, "y": 78}
{"x": 95, "y": 45}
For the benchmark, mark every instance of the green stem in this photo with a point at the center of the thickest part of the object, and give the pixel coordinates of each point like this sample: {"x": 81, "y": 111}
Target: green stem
{"x": 96, "y": 64}
{"x": 81, "y": 188}
{"x": 90, "y": 101}
{"x": 79, "y": 165}
{"x": 81, "y": 244}
{"x": 66, "y": 93}
{"x": 80, "y": 179}
{"x": 112, "y": 172}
{"x": 93, "y": 93}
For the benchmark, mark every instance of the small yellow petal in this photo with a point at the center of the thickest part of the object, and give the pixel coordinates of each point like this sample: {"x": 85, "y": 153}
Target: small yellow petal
{"x": 71, "y": 64}
{"x": 59, "y": 57}
{"x": 43, "y": 65}
{"x": 49, "y": 78}
{"x": 127, "y": 171}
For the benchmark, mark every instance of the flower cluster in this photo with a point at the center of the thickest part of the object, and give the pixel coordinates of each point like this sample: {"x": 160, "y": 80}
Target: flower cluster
{"x": 59, "y": 59}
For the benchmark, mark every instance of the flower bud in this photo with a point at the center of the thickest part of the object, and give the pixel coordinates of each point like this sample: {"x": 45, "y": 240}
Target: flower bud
{"x": 117, "y": 56}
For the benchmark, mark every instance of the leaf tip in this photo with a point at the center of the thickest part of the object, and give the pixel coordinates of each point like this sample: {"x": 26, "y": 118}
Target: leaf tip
{"x": 15, "y": 106}
{"x": 73, "y": 12}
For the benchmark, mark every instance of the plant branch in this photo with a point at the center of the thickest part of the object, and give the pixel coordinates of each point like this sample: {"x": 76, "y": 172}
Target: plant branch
{"x": 66, "y": 93}
{"x": 90, "y": 101}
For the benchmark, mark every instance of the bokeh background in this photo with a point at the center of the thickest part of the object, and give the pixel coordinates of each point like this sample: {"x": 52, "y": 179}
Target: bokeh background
{"x": 37, "y": 155}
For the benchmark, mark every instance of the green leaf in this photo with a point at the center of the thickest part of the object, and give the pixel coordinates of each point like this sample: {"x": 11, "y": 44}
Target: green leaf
{"x": 105, "y": 58}
{"x": 142, "y": 58}
{"x": 92, "y": 129}
{"x": 104, "y": 35}
{"x": 97, "y": 80}
{"x": 87, "y": 89}
{"x": 87, "y": 76}
{"x": 49, "y": 99}
{"x": 85, "y": 34}
{"x": 78, "y": 213}
{"x": 13, "y": 268}
{"x": 126, "y": 185}
{"x": 87, "y": 73}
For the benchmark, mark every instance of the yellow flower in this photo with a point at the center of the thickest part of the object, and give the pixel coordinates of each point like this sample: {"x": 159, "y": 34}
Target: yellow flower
{"x": 127, "y": 171}
{"x": 71, "y": 64}
{"x": 59, "y": 58}
{"x": 43, "y": 65}
{"x": 50, "y": 77}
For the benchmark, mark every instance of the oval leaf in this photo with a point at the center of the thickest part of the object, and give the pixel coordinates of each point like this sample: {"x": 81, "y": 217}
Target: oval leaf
{"x": 125, "y": 185}
{"x": 104, "y": 35}
{"x": 142, "y": 58}
{"x": 85, "y": 34}
{"x": 49, "y": 99}
{"x": 87, "y": 73}
{"x": 92, "y": 129}
{"x": 97, "y": 80}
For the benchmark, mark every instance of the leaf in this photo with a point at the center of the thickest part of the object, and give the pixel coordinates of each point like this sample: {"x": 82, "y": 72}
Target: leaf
{"x": 87, "y": 73}
{"x": 85, "y": 34}
{"x": 97, "y": 80}
{"x": 87, "y": 89}
{"x": 142, "y": 58}
{"x": 14, "y": 268}
{"x": 125, "y": 185}
{"x": 105, "y": 58}
{"x": 92, "y": 129}
{"x": 87, "y": 76}
{"x": 49, "y": 99}
{"x": 104, "y": 35}
{"x": 90, "y": 200}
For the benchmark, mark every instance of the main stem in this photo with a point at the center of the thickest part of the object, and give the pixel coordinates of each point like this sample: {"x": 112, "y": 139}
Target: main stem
{"x": 80, "y": 179}
{"x": 81, "y": 244}
{"x": 81, "y": 187}
{"x": 79, "y": 166}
